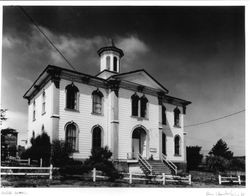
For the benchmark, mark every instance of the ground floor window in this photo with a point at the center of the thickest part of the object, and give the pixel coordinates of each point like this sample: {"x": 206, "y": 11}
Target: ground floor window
{"x": 177, "y": 140}
{"x": 97, "y": 137}
{"x": 71, "y": 136}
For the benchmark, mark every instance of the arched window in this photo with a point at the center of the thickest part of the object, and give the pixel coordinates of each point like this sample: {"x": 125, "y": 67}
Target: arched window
{"x": 97, "y": 102}
{"x": 177, "y": 117}
{"x": 115, "y": 64}
{"x": 96, "y": 138}
{"x": 72, "y": 136}
{"x": 135, "y": 101}
{"x": 163, "y": 114}
{"x": 43, "y": 102}
{"x": 177, "y": 141}
{"x": 108, "y": 62}
{"x": 34, "y": 110}
{"x": 71, "y": 97}
{"x": 144, "y": 102}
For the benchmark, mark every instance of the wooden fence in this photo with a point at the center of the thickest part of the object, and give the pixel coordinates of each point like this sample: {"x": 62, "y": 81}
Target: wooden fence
{"x": 26, "y": 161}
{"x": 131, "y": 177}
{"x": 230, "y": 179}
{"x": 27, "y": 171}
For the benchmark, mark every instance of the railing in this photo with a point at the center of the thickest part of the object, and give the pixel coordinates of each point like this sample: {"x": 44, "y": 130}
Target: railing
{"x": 230, "y": 179}
{"x": 20, "y": 161}
{"x": 145, "y": 163}
{"x": 27, "y": 171}
{"x": 169, "y": 163}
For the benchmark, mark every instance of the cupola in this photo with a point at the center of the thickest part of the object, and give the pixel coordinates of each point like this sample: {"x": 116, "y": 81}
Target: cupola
{"x": 110, "y": 58}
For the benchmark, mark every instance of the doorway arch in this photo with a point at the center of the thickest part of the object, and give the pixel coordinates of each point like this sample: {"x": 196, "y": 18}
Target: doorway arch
{"x": 139, "y": 142}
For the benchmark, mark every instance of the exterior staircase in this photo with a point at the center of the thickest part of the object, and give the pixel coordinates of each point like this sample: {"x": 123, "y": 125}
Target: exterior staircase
{"x": 158, "y": 167}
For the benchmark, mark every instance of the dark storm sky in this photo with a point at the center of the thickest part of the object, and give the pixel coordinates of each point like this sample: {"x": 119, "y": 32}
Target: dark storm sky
{"x": 197, "y": 53}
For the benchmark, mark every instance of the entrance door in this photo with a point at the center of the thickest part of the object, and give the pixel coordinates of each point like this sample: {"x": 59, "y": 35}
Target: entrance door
{"x": 163, "y": 143}
{"x": 136, "y": 147}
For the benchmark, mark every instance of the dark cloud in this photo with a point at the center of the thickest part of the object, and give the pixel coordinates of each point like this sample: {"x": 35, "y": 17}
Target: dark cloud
{"x": 196, "y": 52}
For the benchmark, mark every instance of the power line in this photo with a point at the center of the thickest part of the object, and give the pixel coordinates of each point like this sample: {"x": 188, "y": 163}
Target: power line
{"x": 46, "y": 37}
{"x": 205, "y": 122}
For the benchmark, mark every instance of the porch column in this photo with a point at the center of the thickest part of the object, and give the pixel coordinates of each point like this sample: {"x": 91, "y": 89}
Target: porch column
{"x": 114, "y": 117}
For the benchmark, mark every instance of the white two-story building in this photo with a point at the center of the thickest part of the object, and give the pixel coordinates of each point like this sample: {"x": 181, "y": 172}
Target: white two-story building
{"x": 130, "y": 112}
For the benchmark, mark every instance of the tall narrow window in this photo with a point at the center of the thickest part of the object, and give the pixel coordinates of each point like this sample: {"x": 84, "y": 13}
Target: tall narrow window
{"x": 164, "y": 119}
{"x": 135, "y": 101}
{"x": 163, "y": 143}
{"x": 108, "y": 62}
{"x": 43, "y": 129}
{"x": 34, "y": 110}
{"x": 97, "y": 102}
{"x": 96, "y": 138}
{"x": 115, "y": 64}
{"x": 144, "y": 102}
{"x": 71, "y": 97}
{"x": 177, "y": 117}
{"x": 177, "y": 145}
{"x": 71, "y": 136}
{"x": 43, "y": 102}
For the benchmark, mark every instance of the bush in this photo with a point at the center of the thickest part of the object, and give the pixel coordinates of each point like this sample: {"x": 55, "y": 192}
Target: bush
{"x": 60, "y": 153}
{"x": 217, "y": 163}
{"x": 100, "y": 159}
{"x": 41, "y": 148}
{"x": 193, "y": 157}
{"x": 73, "y": 168}
{"x": 237, "y": 164}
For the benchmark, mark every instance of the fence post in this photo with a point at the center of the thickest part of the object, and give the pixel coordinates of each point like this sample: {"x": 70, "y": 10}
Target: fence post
{"x": 41, "y": 162}
{"x": 130, "y": 177}
{"x": 50, "y": 171}
{"x": 163, "y": 178}
{"x": 28, "y": 161}
{"x": 94, "y": 174}
{"x": 239, "y": 180}
{"x": 219, "y": 179}
{"x": 189, "y": 179}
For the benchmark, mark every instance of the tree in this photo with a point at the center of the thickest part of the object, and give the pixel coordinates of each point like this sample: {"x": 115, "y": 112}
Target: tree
{"x": 41, "y": 148}
{"x": 221, "y": 149}
{"x": 193, "y": 157}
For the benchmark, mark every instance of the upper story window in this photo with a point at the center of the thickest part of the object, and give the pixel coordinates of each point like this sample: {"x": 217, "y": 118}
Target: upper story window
{"x": 43, "y": 102}
{"x": 144, "y": 102}
{"x": 72, "y": 97}
{"x": 115, "y": 64}
{"x": 177, "y": 145}
{"x": 135, "y": 104}
{"x": 108, "y": 62}
{"x": 43, "y": 129}
{"x": 34, "y": 110}
{"x": 97, "y": 97}
{"x": 163, "y": 114}
{"x": 72, "y": 136}
{"x": 177, "y": 117}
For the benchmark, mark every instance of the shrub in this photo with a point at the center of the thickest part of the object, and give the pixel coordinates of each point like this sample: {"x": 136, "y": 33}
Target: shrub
{"x": 193, "y": 157}
{"x": 41, "y": 148}
{"x": 100, "y": 159}
{"x": 60, "y": 153}
{"x": 237, "y": 164}
{"x": 73, "y": 168}
{"x": 217, "y": 163}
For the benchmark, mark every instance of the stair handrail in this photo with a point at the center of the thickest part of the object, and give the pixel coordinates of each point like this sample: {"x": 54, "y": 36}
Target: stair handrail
{"x": 145, "y": 163}
{"x": 169, "y": 163}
